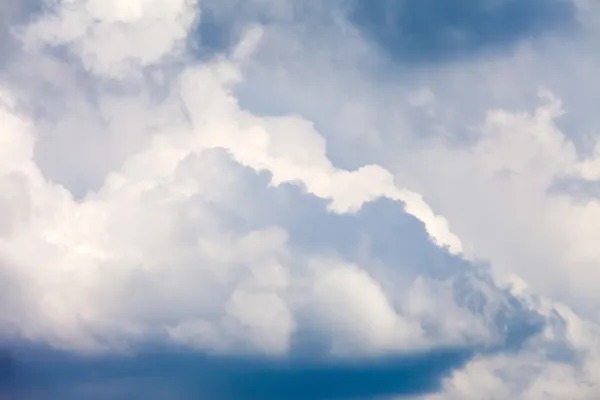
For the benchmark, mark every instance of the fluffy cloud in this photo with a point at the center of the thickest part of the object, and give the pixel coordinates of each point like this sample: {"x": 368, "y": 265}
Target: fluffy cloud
{"x": 113, "y": 38}
{"x": 277, "y": 199}
{"x": 158, "y": 216}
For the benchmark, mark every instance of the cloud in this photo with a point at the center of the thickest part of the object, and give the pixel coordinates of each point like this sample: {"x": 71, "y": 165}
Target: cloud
{"x": 91, "y": 252}
{"x": 114, "y": 38}
{"x": 432, "y": 150}
{"x": 278, "y": 198}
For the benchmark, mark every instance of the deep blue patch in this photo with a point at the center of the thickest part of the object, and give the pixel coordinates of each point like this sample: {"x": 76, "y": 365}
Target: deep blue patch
{"x": 212, "y": 35}
{"x": 417, "y": 31}
{"x": 193, "y": 376}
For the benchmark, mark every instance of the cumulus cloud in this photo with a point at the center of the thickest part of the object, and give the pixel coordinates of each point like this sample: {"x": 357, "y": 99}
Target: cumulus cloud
{"x": 277, "y": 199}
{"x": 113, "y": 38}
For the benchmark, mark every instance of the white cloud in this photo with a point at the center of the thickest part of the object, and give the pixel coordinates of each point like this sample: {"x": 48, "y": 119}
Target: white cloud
{"x": 155, "y": 250}
{"x": 505, "y": 200}
{"x": 343, "y": 296}
{"x": 113, "y": 38}
{"x": 486, "y": 159}
{"x": 185, "y": 233}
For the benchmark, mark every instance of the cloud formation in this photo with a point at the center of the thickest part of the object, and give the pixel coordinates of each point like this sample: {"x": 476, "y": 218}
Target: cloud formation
{"x": 288, "y": 193}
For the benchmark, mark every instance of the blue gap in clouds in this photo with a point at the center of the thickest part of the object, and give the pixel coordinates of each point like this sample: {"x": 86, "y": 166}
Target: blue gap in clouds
{"x": 578, "y": 189}
{"x": 418, "y": 31}
{"x": 46, "y": 374}
{"x": 212, "y": 35}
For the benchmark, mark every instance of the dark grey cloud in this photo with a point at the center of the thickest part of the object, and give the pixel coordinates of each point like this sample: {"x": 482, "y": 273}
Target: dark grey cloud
{"x": 416, "y": 31}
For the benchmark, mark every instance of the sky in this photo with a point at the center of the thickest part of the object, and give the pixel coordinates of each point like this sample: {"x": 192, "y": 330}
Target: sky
{"x": 280, "y": 199}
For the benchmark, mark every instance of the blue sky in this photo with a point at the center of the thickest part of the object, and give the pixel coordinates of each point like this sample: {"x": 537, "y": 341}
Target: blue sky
{"x": 181, "y": 375}
{"x": 417, "y": 32}
{"x": 269, "y": 199}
